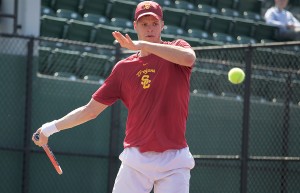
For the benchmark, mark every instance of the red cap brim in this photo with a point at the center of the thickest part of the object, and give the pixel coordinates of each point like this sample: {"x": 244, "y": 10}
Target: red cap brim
{"x": 148, "y": 13}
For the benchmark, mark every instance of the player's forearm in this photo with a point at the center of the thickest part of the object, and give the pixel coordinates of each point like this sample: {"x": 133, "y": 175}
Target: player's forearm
{"x": 80, "y": 115}
{"x": 74, "y": 118}
{"x": 175, "y": 54}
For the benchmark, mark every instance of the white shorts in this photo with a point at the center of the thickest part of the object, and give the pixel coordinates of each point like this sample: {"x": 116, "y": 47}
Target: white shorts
{"x": 168, "y": 172}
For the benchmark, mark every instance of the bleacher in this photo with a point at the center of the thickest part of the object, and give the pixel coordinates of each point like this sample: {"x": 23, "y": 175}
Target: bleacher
{"x": 200, "y": 22}
{"x": 219, "y": 22}
{"x": 225, "y": 22}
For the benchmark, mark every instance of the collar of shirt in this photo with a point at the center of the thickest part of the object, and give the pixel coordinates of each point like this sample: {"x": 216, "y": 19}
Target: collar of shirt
{"x": 279, "y": 10}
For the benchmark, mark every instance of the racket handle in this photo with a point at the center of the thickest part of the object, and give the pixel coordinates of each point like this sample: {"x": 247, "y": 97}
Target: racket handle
{"x": 52, "y": 159}
{"x": 50, "y": 155}
{"x": 36, "y": 136}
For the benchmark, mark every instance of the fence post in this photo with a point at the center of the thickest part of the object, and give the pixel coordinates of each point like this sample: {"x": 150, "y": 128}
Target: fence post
{"x": 27, "y": 123}
{"x": 285, "y": 131}
{"x": 246, "y": 117}
{"x": 15, "y": 16}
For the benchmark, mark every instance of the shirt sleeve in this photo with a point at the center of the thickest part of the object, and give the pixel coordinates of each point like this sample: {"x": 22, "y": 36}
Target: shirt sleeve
{"x": 182, "y": 43}
{"x": 295, "y": 21}
{"x": 109, "y": 92}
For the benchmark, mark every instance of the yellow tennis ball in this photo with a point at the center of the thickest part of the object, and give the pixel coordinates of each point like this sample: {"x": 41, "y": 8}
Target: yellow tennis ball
{"x": 236, "y": 75}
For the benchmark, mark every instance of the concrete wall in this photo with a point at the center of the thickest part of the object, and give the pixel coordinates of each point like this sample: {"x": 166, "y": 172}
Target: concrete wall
{"x": 28, "y": 17}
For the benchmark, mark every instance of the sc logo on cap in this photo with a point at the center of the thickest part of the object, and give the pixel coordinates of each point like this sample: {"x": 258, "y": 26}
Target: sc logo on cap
{"x": 147, "y": 6}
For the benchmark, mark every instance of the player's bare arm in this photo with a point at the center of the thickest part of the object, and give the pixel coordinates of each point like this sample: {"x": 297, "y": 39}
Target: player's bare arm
{"x": 81, "y": 115}
{"x": 175, "y": 54}
{"x": 74, "y": 118}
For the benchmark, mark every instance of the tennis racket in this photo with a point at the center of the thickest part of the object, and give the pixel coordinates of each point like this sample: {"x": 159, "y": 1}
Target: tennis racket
{"x": 50, "y": 155}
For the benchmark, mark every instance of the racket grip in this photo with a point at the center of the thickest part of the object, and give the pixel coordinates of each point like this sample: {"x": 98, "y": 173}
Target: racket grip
{"x": 36, "y": 136}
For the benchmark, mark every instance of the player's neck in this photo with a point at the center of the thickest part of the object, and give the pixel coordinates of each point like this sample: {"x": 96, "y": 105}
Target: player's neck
{"x": 279, "y": 8}
{"x": 143, "y": 53}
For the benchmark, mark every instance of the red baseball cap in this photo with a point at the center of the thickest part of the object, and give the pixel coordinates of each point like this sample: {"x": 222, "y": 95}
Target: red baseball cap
{"x": 148, "y": 8}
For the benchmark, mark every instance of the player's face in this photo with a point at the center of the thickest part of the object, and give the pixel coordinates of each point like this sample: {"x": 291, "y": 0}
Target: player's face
{"x": 149, "y": 28}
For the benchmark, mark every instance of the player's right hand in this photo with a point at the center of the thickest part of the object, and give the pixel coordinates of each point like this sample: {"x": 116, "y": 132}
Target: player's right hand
{"x": 43, "y": 140}
{"x": 126, "y": 41}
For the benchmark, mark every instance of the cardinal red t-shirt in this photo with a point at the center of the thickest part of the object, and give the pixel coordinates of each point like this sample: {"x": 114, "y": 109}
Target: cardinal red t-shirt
{"x": 156, "y": 94}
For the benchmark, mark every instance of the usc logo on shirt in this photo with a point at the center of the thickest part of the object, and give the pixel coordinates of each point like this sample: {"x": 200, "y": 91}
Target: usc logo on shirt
{"x": 144, "y": 76}
{"x": 145, "y": 81}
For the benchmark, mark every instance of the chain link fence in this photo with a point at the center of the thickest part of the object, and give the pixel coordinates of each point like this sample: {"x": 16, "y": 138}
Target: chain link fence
{"x": 244, "y": 137}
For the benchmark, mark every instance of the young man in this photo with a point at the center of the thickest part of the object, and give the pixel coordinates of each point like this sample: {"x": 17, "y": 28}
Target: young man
{"x": 154, "y": 86}
{"x": 289, "y": 26}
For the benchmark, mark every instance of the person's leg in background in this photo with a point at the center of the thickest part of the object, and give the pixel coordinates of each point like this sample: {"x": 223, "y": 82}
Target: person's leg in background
{"x": 289, "y": 36}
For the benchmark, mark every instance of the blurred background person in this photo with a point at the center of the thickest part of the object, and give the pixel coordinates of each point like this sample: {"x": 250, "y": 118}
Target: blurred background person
{"x": 289, "y": 26}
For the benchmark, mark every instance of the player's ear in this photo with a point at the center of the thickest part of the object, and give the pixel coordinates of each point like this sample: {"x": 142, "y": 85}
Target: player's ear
{"x": 162, "y": 25}
{"x": 134, "y": 25}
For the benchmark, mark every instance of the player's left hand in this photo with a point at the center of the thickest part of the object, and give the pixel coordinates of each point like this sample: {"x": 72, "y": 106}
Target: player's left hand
{"x": 126, "y": 41}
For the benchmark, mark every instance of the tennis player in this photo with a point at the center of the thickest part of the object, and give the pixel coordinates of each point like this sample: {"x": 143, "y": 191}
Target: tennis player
{"x": 154, "y": 86}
